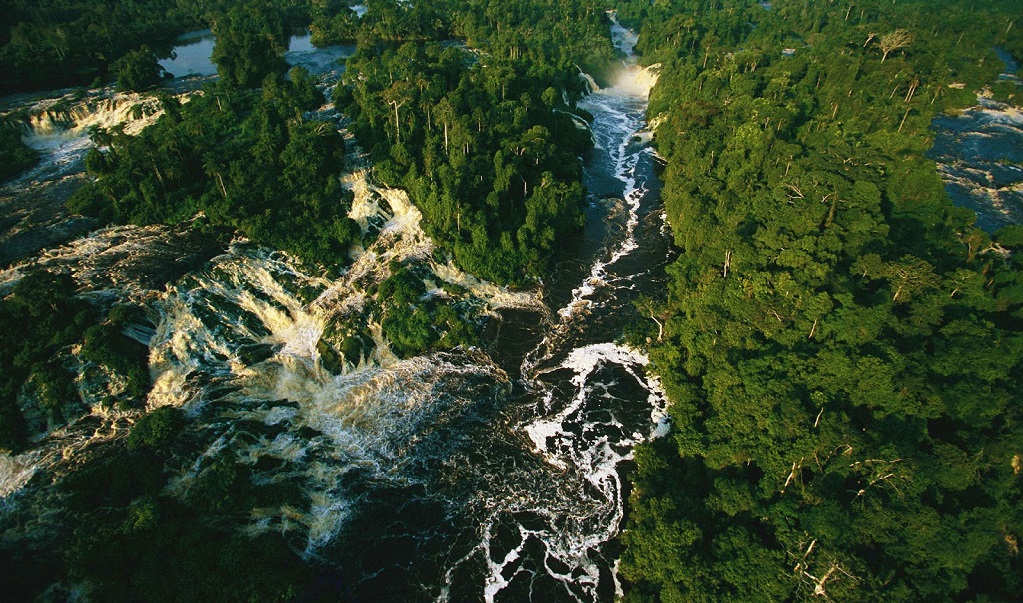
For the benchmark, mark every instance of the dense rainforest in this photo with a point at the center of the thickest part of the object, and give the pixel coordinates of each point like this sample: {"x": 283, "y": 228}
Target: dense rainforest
{"x": 841, "y": 346}
{"x": 236, "y": 157}
{"x": 233, "y": 157}
{"x": 485, "y": 140}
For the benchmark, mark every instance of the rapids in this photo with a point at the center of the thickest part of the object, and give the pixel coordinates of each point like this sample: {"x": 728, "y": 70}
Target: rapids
{"x": 59, "y": 127}
{"x": 979, "y": 154}
{"x": 491, "y": 473}
{"x": 479, "y": 473}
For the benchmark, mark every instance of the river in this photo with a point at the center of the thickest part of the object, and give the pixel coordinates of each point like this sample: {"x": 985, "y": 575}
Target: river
{"x": 490, "y": 473}
{"x": 521, "y": 495}
{"x": 496, "y": 474}
{"x": 32, "y": 215}
{"x": 191, "y": 57}
{"x": 493, "y": 473}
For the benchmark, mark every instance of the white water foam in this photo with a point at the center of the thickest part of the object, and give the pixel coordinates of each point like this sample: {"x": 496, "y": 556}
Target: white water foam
{"x": 598, "y": 459}
{"x": 60, "y": 447}
{"x": 574, "y": 498}
{"x": 578, "y": 433}
{"x": 583, "y": 362}
{"x": 381, "y": 417}
{"x": 16, "y": 470}
{"x": 237, "y": 346}
{"x": 623, "y": 130}
{"x": 623, "y": 38}
{"x": 977, "y": 155}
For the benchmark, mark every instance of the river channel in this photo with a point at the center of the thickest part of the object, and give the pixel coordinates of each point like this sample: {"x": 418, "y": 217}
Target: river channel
{"x": 515, "y": 490}
{"x": 493, "y": 473}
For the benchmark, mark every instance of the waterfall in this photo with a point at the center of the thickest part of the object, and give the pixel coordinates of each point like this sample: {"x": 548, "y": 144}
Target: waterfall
{"x": 587, "y": 79}
{"x": 59, "y": 128}
{"x": 500, "y": 481}
{"x": 636, "y": 81}
{"x": 69, "y": 115}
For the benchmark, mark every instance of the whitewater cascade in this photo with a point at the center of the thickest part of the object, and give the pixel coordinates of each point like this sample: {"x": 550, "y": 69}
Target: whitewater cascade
{"x": 549, "y": 524}
{"x": 238, "y": 344}
{"x": 450, "y": 475}
{"x": 59, "y": 128}
{"x": 441, "y": 474}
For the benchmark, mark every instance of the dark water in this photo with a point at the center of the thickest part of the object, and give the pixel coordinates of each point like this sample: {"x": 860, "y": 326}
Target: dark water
{"x": 520, "y": 496}
{"x": 516, "y": 492}
{"x": 980, "y": 157}
{"x": 486, "y": 474}
{"x": 191, "y": 57}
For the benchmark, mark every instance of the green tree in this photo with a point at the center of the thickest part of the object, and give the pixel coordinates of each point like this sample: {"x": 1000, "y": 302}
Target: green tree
{"x": 251, "y": 38}
{"x": 138, "y": 70}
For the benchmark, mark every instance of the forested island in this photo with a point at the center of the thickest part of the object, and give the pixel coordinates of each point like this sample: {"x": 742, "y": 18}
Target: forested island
{"x": 838, "y": 345}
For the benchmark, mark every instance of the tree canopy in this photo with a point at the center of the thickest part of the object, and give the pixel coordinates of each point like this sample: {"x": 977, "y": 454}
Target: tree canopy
{"x": 841, "y": 346}
{"x": 483, "y": 140}
{"x": 247, "y": 159}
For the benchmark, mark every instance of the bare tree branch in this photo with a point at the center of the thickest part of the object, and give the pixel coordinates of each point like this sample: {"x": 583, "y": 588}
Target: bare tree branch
{"x": 900, "y": 38}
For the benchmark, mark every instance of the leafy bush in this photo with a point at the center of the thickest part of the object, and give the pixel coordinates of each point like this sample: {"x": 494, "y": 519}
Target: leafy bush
{"x": 138, "y": 70}
{"x": 15, "y": 157}
{"x": 157, "y": 429}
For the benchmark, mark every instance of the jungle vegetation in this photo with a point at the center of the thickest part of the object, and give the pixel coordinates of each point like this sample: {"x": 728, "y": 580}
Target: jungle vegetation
{"x": 841, "y": 346}
{"x": 484, "y": 140}
{"x": 61, "y": 43}
{"x": 15, "y": 156}
{"x": 244, "y": 158}
{"x": 43, "y": 319}
{"x": 249, "y": 153}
